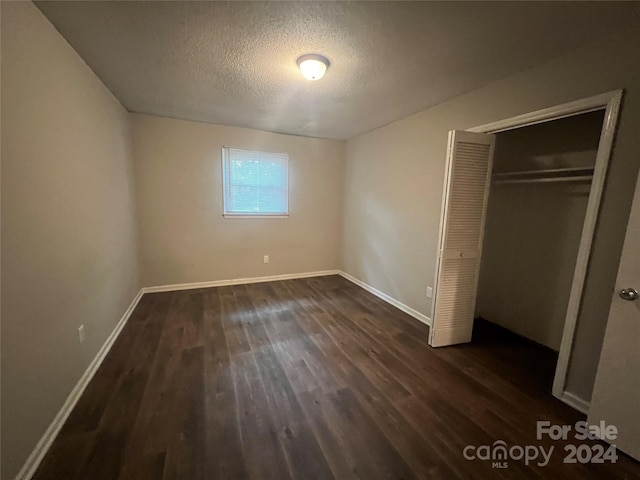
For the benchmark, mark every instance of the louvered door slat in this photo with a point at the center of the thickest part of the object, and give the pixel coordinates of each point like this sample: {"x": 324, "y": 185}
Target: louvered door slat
{"x": 468, "y": 168}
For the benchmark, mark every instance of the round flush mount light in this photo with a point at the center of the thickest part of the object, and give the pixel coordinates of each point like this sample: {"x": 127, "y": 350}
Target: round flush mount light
{"x": 313, "y": 66}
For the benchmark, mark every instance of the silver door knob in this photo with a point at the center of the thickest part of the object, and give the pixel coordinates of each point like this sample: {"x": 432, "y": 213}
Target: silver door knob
{"x": 629, "y": 294}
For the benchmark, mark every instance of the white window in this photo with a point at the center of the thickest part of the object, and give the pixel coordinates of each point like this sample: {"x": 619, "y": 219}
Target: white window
{"x": 255, "y": 183}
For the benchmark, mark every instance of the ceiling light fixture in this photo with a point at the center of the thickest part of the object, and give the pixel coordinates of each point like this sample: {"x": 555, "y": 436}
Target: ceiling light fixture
{"x": 313, "y": 66}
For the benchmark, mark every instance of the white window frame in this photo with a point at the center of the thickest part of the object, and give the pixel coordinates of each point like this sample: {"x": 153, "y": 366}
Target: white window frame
{"x": 225, "y": 186}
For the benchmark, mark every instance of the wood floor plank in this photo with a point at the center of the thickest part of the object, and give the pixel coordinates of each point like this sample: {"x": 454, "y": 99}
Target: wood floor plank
{"x": 232, "y": 322}
{"x": 261, "y": 446}
{"x": 380, "y": 455}
{"x": 280, "y": 370}
{"x": 376, "y": 342}
{"x": 304, "y": 455}
{"x": 307, "y": 379}
{"x": 343, "y": 457}
{"x": 224, "y": 458}
{"x": 425, "y": 463}
{"x": 150, "y": 438}
{"x": 335, "y": 327}
{"x": 378, "y": 405}
{"x": 86, "y": 416}
{"x": 185, "y": 455}
{"x": 115, "y": 429}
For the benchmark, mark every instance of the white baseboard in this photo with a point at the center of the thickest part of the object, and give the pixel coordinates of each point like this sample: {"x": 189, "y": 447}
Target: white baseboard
{"x": 290, "y": 276}
{"x": 33, "y": 461}
{"x": 237, "y": 281}
{"x": 576, "y": 402}
{"x": 399, "y": 305}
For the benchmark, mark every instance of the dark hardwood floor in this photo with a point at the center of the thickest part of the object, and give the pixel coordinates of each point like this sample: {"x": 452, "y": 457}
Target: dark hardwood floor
{"x": 307, "y": 379}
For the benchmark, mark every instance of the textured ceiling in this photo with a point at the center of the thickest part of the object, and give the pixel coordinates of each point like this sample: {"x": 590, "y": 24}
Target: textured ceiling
{"x": 234, "y": 63}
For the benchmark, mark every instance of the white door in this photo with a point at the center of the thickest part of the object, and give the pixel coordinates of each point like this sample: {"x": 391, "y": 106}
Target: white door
{"x": 467, "y": 177}
{"x": 616, "y": 393}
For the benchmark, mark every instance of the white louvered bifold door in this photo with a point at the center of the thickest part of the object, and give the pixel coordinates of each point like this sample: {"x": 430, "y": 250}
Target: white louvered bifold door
{"x": 469, "y": 158}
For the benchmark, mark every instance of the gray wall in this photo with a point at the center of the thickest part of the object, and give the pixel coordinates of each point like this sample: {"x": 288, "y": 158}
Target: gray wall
{"x": 184, "y": 237}
{"x": 394, "y": 179}
{"x": 533, "y": 230}
{"x": 68, "y": 224}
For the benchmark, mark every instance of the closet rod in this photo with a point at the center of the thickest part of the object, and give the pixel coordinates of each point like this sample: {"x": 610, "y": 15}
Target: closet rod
{"x": 581, "y": 178}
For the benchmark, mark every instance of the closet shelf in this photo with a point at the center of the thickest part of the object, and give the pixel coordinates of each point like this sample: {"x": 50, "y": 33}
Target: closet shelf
{"x": 573, "y": 174}
{"x": 579, "y": 178}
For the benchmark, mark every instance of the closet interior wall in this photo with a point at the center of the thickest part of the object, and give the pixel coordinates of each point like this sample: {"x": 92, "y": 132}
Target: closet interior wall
{"x": 534, "y": 224}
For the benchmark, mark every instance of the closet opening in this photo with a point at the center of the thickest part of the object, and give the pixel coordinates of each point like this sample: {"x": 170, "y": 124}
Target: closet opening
{"x": 538, "y": 197}
{"x": 520, "y": 208}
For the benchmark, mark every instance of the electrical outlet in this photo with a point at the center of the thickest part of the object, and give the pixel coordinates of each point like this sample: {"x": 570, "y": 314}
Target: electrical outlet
{"x": 81, "y": 333}
{"x": 429, "y": 292}
{"x": 266, "y": 259}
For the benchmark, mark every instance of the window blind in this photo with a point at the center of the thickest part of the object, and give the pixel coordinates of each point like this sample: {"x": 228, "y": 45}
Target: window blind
{"x": 255, "y": 183}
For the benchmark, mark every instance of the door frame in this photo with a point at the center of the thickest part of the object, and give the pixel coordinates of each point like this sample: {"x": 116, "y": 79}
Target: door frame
{"x": 610, "y": 102}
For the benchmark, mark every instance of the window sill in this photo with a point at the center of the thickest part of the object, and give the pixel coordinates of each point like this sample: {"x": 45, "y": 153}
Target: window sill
{"x": 241, "y": 215}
